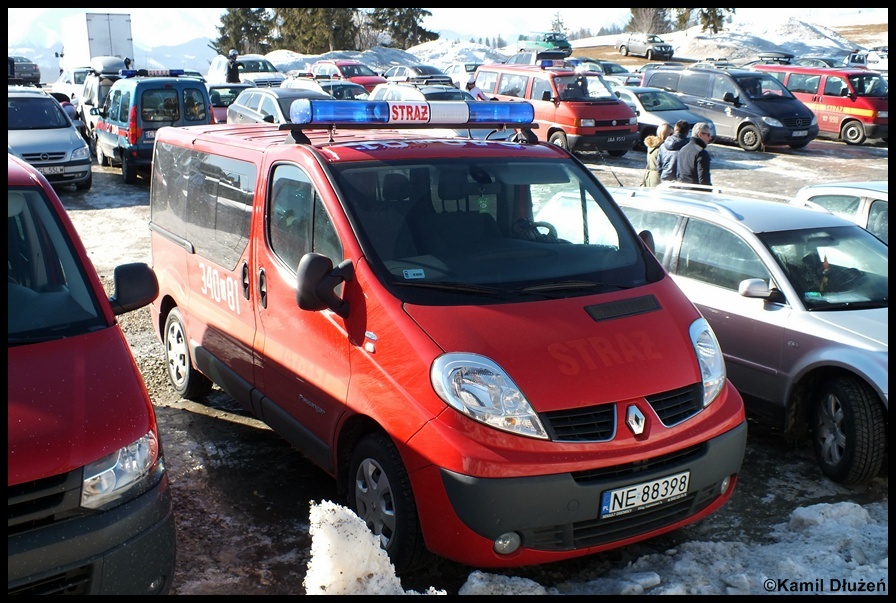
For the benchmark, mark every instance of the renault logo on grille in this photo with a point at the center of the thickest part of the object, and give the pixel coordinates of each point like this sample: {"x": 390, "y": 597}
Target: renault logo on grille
{"x": 635, "y": 420}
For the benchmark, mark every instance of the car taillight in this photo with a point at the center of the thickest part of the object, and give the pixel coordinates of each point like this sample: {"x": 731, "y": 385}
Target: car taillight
{"x": 133, "y": 130}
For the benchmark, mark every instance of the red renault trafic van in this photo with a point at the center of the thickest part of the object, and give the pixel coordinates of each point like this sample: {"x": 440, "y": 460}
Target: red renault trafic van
{"x": 88, "y": 503}
{"x": 383, "y": 297}
{"x": 574, "y": 110}
{"x": 851, "y": 104}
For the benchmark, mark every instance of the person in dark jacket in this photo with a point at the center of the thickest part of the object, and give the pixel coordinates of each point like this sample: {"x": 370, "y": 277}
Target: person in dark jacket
{"x": 693, "y": 158}
{"x": 668, "y": 151}
{"x": 233, "y": 68}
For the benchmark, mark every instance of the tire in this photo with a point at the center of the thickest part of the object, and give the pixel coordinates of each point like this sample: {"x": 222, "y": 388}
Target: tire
{"x": 800, "y": 145}
{"x": 617, "y": 153}
{"x": 849, "y": 431}
{"x": 853, "y": 132}
{"x": 85, "y": 186}
{"x": 559, "y": 139}
{"x": 649, "y": 55}
{"x": 623, "y": 51}
{"x": 101, "y": 158}
{"x": 128, "y": 169}
{"x": 379, "y": 492}
{"x": 749, "y": 138}
{"x": 186, "y": 380}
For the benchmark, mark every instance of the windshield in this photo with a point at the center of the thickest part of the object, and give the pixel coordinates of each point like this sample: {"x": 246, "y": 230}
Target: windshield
{"x": 588, "y": 85}
{"x": 762, "y": 86}
{"x": 661, "y": 101}
{"x": 871, "y": 84}
{"x": 499, "y": 228}
{"x": 35, "y": 113}
{"x": 835, "y": 268}
{"x": 49, "y": 295}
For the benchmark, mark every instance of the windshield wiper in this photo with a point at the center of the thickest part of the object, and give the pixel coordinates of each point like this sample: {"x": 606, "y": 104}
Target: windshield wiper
{"x": 454, "y": 287}
{"x": 569, "y": 285}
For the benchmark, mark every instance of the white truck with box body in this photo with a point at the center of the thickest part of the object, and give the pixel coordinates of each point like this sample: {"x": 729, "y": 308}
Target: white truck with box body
{"x": 90, "y": 35}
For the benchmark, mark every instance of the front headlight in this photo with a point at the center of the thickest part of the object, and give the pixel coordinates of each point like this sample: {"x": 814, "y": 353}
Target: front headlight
{"x": 709, "y": 356}
{"x": 479, "y": 388}
{"x": 772, "y": 122}
{"x": 587, "y": 123}
{"x": 121, "y": 475}
{"x": 81, "y": 153}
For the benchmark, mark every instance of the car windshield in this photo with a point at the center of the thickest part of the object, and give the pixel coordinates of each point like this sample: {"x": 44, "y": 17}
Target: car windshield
{"x": 258, "y": 66}
{"x": 762, "y": 86}
{"x": 834, "y": 268}
{"x": 428, "y": 70}
{"x": 870, "y": 84}
{"x": 506, "y": 229}
{"x": 583, "y": 86}
{"x": 50, "y": 296}
{"x": 661, "y": 101}
{"x": 37, "y": 113}
{"x": 356, "y": 70}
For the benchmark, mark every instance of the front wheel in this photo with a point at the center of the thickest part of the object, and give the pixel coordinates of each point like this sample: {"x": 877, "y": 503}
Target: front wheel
{"x": 849, "y": 431}
{"x": 559, "y": 139}
{"x": 85, "y": 186}
{"x": 101, "y": 158}
{"x": 853, "y": 132}
{"x": 749, "y": 138}
{"x": 617, "y": 153}
{"x": 186, "y": 380}
{"x": 649, "y": 55}
{"x": 623, "y": 51}
{"x": 380, "y": 493}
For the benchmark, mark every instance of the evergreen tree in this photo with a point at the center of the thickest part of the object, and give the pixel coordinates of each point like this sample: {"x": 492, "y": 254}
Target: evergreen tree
{"x": 318, "y": 30}
{"x": 403, "y": 26}
{"x": 557, "y": 24}
{"x": 248, "y": 30}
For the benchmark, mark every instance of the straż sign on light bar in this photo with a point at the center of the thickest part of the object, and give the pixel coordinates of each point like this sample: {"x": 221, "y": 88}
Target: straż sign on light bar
{"x": 309, "y": 112}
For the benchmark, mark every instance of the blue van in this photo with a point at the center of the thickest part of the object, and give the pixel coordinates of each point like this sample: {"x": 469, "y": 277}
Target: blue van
{"x": 140, "y": 103}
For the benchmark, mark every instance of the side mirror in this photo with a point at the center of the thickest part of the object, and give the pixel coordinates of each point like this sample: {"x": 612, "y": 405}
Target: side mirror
{"x": 316, "y": 282}
{"x": 730, "y": 98}
{"x": 135, "y": 286}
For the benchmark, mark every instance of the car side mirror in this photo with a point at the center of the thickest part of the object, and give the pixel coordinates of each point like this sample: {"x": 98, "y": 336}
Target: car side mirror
{"x": 546, "y": 95}
{"x": 730, "y": 98}
{"x": 316, "y": 282}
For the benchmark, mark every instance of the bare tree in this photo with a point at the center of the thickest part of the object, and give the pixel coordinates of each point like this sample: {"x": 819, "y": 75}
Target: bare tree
{"x": 649, "y": 20}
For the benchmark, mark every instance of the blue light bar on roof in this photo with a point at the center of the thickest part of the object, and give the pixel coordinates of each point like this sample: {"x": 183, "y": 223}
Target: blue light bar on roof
{"x": 309, "y": 112}
{"x": 150, "y": 72}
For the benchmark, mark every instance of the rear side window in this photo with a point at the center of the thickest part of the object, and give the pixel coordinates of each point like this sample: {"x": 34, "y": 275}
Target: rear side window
{"x": 486, "y": 81}
{"x": 667, "y": 80}
{"x": 513, "y": 85}
{"x": 697, "y": 84}
{"x": 805, "y": 83}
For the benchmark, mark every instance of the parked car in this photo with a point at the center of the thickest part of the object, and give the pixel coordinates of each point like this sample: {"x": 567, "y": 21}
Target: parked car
{"x": 533, "y": 57}
{"x": 26, "y": 70}
{"x": 818, "y": 61}
{"x": 89, "y": 508}
{"x": 400, "y": 91}
{"x": 460, "y": 73}
{"x": 653, "y": 107}
{"x": 267, "y": 105}
{"x": 865, "y": 203}
{"x": 749, "y": 108}
{"x": 104, "y": 71}
{"x": 70, "y": 84}
{"x": 254, "y": 69}
{"x": 544, "y": 40}
{"x": 770, "y": 58}
{"x": 647, "y": 45}
{"x": 799, "y": 302}
{"x": 136, "y": 107}
{"x": 344, "y": 89}
{"x": 221, "y": 96}
{"x": 346, "y": 69}
{"x": 851, "y": 104}
{"x": 417, "y": 74}
{"x": 42, "y": 133}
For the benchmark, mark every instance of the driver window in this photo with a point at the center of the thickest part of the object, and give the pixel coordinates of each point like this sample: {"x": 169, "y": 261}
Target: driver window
{"x": 717, "y": 257}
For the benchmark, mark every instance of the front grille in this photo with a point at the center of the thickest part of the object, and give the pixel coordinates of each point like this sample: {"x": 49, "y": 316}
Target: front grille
{"x": 43, "y": 157}
{"x": 595, "y": 532}
{"x": 796, "y": 123}
{"x": 676, "y": 406}
{"x": 598, "y": 423}
{"x": 42, "y": 502}
{"x": 72, "y": 582}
